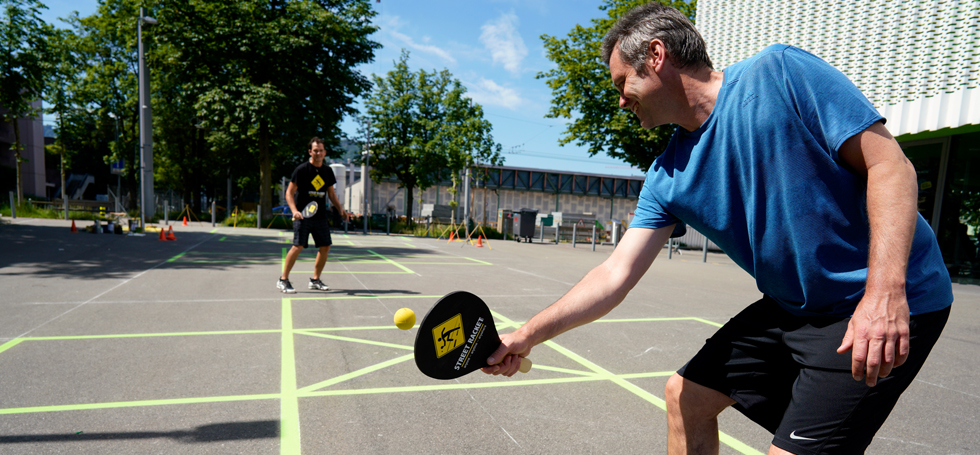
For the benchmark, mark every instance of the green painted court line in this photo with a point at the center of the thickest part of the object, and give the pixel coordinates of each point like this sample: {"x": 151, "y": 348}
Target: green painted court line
{"x": 354, "y": 340}
{"x": 130, "y": 404}
{"x": 708, "y": 322}
{"x": 477, "y": 260}
{"x": 636, "y": 390}
{"x": 406, "y": 269}
{"x": 10, "y": 344}
{"x": 214, "y": 230}
{"x": 460, "y": 386}
{"x": 176, "y": 257}
{"x": 145, "y": 335}
{"x": 256, "y": 253}
{"x": 222, "y": 239}
{"x": 352, "y": 272}
{"x": 289, "y": 443}
{"x": 354, "y": 374}
{"x": 343, "y": 329}
{"x": 359, "y": 297}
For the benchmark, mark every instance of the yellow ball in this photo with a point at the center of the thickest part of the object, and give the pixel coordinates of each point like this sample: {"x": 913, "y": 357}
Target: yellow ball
{"x": 404, "y": 319}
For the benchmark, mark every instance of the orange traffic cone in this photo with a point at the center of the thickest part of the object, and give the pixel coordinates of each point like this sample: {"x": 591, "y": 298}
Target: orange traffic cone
{"x": 451, "y": 235}
{"x": 163, "y": 238}
{"x": 185, "y": 223}
{"x": 73, "y": 228}
{"x": 479, "y": 242}
{"x": 170, "y": 234}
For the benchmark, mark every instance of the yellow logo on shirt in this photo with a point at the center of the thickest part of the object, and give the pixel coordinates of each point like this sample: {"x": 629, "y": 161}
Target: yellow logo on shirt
{"x": 318, "y": 183}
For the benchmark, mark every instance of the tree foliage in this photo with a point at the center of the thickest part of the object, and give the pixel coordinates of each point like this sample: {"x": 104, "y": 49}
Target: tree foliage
{"x": 23, "y": 66}
{"x": 258, "y": 78}
{"x": 237, "y": 88}
{"x": 421, "y": 128}
{"x": 583, "y": 92}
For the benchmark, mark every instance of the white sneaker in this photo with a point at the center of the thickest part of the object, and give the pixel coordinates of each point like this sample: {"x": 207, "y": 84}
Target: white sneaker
{"x": 318, "y": 285}
{"x": 285, "y": 286}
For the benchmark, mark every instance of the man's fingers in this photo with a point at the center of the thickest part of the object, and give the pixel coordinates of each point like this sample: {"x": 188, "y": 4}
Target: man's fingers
{"x": 859, "y": 354}
{"x": 874, "y": 361}
{"x": 903, "y": 351}
{"x": 847, "y": 342}
{"x": 499, "y": 355}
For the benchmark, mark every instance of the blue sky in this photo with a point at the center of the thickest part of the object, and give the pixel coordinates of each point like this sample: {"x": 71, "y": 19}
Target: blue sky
{"x": 494, "y": 48}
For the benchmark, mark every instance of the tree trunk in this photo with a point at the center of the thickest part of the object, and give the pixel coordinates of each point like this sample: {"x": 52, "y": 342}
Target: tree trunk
{"x": 61, "y": 151}
{"x": 408, "y": 205}
{"x": 265, "y": 169}
{"x": 17, "y": 160}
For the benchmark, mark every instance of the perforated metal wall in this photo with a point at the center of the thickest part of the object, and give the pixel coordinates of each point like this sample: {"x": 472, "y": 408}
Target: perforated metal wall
{"x": 918, "y": 61}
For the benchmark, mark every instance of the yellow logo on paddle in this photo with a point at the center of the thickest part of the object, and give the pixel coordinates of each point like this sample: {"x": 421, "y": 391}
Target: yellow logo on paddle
{"x": 448, "y": 335}
{"x": 318, "y": 183}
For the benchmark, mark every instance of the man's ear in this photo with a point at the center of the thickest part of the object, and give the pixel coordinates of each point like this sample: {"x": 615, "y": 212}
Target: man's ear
{"x": 656, "y": 54}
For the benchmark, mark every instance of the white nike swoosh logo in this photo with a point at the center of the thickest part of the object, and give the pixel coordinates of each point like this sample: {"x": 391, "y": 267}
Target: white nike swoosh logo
{"x": 794, "y": 436}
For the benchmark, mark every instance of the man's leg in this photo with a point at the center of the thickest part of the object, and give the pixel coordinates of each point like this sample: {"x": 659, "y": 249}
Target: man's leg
{"x": 692, "y": 416}
{"x": 291, "y": 256}
{"x": 321, "y": 261}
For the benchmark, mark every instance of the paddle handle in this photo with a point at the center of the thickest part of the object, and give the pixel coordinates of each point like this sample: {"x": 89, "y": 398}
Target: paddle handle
{"x": 525, "y": 365}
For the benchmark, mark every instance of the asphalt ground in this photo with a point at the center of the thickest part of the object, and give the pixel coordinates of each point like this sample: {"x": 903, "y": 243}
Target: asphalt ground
{"x": 123, "y": 344}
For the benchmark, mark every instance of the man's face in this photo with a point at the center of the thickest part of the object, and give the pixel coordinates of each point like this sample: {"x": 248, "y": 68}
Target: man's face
{"x": 317, "y": 153}
{"x": 638, "y": 93}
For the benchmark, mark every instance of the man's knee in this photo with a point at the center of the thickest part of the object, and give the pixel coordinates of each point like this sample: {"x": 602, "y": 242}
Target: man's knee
{"x": 692, "y": 399}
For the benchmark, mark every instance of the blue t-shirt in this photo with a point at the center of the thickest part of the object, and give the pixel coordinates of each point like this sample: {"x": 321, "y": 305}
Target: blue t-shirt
{"x": 761, "y": 179}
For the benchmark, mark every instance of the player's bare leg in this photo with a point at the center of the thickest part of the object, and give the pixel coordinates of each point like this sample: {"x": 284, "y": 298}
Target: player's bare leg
{"x": 321, "y": 261}
{"x": 692, "y": 416}
{"x": 291, "y": 257}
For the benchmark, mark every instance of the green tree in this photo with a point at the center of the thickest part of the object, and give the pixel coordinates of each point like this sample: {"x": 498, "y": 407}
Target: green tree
{"x": 422, "y": 128}
{"x": 583, "y": 92}
{"x": 98, "y": 117}
{"x": 62, "y": 77}
{"x": 23, "y": 65}
{"x": 264, "y": 76}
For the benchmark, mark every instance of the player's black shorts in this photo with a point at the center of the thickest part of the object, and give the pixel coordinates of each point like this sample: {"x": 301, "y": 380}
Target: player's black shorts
{"x": 784, "y": 373}
{"x": 319, "y": 228}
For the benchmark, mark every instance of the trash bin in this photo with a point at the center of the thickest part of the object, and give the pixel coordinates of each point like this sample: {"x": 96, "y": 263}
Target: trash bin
{"x": 528, "y": 217}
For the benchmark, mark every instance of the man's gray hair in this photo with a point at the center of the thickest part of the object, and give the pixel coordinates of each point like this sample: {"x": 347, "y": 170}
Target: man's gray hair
{"x": 633, "y": 33}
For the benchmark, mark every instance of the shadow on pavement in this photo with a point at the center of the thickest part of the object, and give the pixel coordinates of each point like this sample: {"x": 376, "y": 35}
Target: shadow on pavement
{"x": 55, "y": 252}
{"x": 232, "y": 431}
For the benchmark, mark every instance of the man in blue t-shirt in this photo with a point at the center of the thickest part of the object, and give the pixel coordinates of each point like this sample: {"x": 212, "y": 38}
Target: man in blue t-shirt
{"x": 783, "y": 163}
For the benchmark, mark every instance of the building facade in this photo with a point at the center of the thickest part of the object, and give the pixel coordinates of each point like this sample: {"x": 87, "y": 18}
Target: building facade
{"x": 492, "y": 189}
{"x": 33, "y": 180}
{"x": 917, "y": 61}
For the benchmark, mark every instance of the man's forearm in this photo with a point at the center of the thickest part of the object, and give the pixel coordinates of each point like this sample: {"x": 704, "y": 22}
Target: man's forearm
{"x": 892, "y": 193}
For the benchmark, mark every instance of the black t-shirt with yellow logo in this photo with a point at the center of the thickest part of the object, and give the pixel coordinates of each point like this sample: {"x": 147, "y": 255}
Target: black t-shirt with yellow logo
{"x": 313, "y": 182}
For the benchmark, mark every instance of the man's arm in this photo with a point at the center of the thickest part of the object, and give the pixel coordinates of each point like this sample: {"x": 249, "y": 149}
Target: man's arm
{"x": 601, "y": 290}
{"x": 878, "y": 333}
{"x": 336, "y": 202}
{"x": 291, "y": 200}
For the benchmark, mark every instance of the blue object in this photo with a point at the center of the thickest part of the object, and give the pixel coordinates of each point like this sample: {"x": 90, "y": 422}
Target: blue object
{"x": 760, "y": 178}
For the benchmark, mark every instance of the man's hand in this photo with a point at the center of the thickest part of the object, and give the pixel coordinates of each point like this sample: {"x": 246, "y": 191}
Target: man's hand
{"x": 506, "y": 360}
{"x": 297, "y": 215}
{"x": 877, "y": 336}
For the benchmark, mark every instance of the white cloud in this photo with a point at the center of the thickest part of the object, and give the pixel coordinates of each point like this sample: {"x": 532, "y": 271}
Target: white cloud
{"x": 489, "y": 93}
{"x": 391, "y": 25}
{"x": 500, "y": 37}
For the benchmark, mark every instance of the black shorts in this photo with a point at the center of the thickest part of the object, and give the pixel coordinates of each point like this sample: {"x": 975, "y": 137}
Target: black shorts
{"x": 784, "y": 373}
{"x": 319, "y": 228}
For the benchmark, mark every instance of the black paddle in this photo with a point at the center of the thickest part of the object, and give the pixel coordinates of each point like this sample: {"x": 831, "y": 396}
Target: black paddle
{"x": 456, "y": 337}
